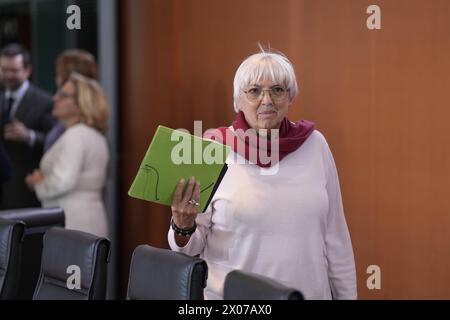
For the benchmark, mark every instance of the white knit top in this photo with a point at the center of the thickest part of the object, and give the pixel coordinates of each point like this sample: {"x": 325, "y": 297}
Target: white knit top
{"x": 289, "y": 226}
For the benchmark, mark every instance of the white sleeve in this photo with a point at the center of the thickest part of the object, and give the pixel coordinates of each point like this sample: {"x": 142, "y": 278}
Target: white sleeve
{"x": 64, "y": 173}
{"x": 197, "y": 241}
{"x": 341, "y": 263}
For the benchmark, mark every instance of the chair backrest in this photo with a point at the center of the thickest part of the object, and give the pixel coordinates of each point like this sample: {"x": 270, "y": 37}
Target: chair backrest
{"x": 37, "y": 222}
{"x": 11, "y": 237}
{"x": 162, "y": 274}
{"x": 74, "y": 266}
{"x": 241, "y": 285}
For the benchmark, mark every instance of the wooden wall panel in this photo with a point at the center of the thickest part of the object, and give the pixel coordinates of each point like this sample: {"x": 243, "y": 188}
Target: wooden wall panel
{"x": 380, "y": 97}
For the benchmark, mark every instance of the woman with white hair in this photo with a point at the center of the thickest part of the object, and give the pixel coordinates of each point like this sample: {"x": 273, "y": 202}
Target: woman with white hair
{"x": 287, "y": 224}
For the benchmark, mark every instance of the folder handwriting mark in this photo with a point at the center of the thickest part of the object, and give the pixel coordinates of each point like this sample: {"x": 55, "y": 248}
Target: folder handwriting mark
{"x": 211, "y": 184}
{"x": 147, "y": 169}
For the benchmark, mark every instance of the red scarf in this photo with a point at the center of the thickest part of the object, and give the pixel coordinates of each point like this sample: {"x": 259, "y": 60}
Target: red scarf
{"x": 291, "y": 137}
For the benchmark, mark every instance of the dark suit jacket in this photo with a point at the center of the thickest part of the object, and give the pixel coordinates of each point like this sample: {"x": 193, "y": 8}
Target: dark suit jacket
{"x": 5, "y": 165}
{"x": 35, "y": 112}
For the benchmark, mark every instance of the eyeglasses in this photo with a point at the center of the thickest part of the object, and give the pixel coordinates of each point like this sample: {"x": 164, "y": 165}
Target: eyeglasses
{"x": 277, "y": 93}
{"x": 63, "y": 95}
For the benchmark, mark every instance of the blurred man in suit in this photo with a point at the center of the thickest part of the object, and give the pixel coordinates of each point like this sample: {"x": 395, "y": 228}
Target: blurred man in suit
{"x": 25, "y": 120}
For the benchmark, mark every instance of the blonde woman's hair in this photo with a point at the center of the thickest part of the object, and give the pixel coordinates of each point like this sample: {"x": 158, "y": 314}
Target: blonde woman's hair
{"x": 92, "y": 102}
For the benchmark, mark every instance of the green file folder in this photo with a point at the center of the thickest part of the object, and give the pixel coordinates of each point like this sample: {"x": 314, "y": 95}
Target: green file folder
{"x": 173, "y": 155}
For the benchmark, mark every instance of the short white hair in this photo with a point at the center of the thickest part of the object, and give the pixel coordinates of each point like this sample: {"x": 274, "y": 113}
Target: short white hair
{"x": 264, "y": 65}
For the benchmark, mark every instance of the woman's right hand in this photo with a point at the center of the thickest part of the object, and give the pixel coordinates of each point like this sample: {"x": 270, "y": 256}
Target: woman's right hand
{"x": 183, "y": 212}
{"x": 34, "y": 178}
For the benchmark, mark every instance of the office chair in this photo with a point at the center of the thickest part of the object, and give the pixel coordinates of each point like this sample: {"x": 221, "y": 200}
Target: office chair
{"x": 240, "y": 285}
{"x": 74, "y": 266}
{"x": 161, "y": 274}
{"x": 11, "y": 238}
{"x": 37, "y": 222}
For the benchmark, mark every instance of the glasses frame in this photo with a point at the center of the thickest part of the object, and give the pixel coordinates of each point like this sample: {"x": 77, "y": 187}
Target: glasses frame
{"x": 271, "y": 95}
{"x": 62, "y": 95}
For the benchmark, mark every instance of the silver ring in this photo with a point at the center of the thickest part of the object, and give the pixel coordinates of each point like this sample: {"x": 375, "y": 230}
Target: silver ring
{"x": 192, "y": 201}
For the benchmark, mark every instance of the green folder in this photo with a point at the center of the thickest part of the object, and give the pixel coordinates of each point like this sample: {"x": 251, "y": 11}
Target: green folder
{"x": 174, "y": 154}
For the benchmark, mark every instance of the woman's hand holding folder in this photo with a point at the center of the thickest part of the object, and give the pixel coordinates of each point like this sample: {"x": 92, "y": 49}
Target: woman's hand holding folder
{"x": 185, "y": 206}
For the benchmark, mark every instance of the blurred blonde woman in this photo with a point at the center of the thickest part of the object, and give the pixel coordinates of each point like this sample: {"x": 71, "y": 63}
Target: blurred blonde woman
{"x": 71, "y": 60}
{"x": 72, "y": 173}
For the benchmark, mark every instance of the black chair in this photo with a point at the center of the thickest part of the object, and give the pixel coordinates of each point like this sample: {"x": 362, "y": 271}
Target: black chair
{"x": 64, "y": 252}
{"x": 11, "y": 237}
{"x": 161, "y": 274}
{"x": 241, "y": 285}
{"x": 37, "y": 222}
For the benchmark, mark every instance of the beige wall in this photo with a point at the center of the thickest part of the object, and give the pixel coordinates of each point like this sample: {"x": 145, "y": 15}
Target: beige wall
{"x": 381, "y": 98}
